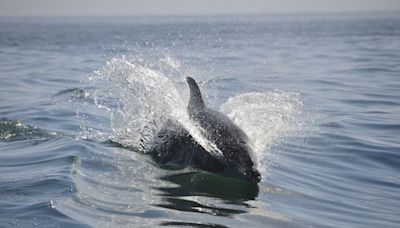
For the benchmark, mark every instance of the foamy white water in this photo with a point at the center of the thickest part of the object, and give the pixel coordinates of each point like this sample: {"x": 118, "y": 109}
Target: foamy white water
{"x": 265, "y": 117}
{"x": 146, "y": 100}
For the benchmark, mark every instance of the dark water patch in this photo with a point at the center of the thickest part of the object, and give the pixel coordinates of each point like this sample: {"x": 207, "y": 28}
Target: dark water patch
{"x": 112, "y": 143}
{"x": 333, "y": 125}
{"x": 202, "y": 183}
{"x": 366, "y": 103}
{"x": 191, "y": 224}
{"x": 74, "y": 94}
{"x": 378, "y": 126}
{"x": 14, "y": 130}
{"x": 193, "y": 206}
{"x": 370, "y": 70}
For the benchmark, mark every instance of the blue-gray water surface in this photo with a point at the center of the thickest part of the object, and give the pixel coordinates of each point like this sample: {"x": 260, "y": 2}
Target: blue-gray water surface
{"x": 338, "y": 165}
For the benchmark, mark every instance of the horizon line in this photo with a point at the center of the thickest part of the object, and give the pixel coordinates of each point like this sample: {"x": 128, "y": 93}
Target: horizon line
{"x": 204, "y": 14}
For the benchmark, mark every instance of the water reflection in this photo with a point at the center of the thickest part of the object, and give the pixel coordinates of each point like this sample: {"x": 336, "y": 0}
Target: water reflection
{"x": 192, "y": 189}
{"x": 202, "y": 183}
{"x": 191, "y": 224}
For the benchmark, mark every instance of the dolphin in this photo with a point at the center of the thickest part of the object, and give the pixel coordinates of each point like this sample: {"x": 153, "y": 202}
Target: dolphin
{"x": 176, "y": 147}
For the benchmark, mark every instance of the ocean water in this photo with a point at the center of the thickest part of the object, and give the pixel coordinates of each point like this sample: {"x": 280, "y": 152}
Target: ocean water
{"x": 82, "y": 98}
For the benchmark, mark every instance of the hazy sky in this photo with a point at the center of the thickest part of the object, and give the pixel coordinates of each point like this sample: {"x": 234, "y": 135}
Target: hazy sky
{"x": 180, "y": 7}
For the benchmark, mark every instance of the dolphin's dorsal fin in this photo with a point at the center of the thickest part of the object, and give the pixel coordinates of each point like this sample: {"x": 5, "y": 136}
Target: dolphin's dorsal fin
{"x": 196, "y": 102}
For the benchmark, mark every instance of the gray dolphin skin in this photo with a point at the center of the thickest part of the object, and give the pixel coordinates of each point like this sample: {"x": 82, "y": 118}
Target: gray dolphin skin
{"x": 175, "y": 146}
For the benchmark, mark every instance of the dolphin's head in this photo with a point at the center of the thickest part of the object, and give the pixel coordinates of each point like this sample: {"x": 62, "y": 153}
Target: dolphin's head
{"x": 252, "y": 174}
{"x": 240, "y": 163}
{"x": 248, "y": 173}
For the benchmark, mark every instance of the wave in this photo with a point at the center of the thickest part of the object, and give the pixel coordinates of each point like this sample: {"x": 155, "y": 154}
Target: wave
{"x": 15, "y": 130}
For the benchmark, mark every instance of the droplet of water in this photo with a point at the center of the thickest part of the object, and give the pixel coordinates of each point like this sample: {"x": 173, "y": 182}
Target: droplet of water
{"x": 51, "y": 204}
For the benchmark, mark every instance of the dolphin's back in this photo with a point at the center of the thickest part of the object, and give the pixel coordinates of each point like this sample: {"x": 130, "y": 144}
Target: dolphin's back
{"x": 219, "y": 128}
{"x": 227, "y": 136}
{"x": 220, "y": 125}
{"x": 174, "y": 146}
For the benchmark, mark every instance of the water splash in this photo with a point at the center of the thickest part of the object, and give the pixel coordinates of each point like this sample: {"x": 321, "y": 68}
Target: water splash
{"x": 265, "y": 117}
{"x": 140, "y": 97}
{"x": 140, "y": 100}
